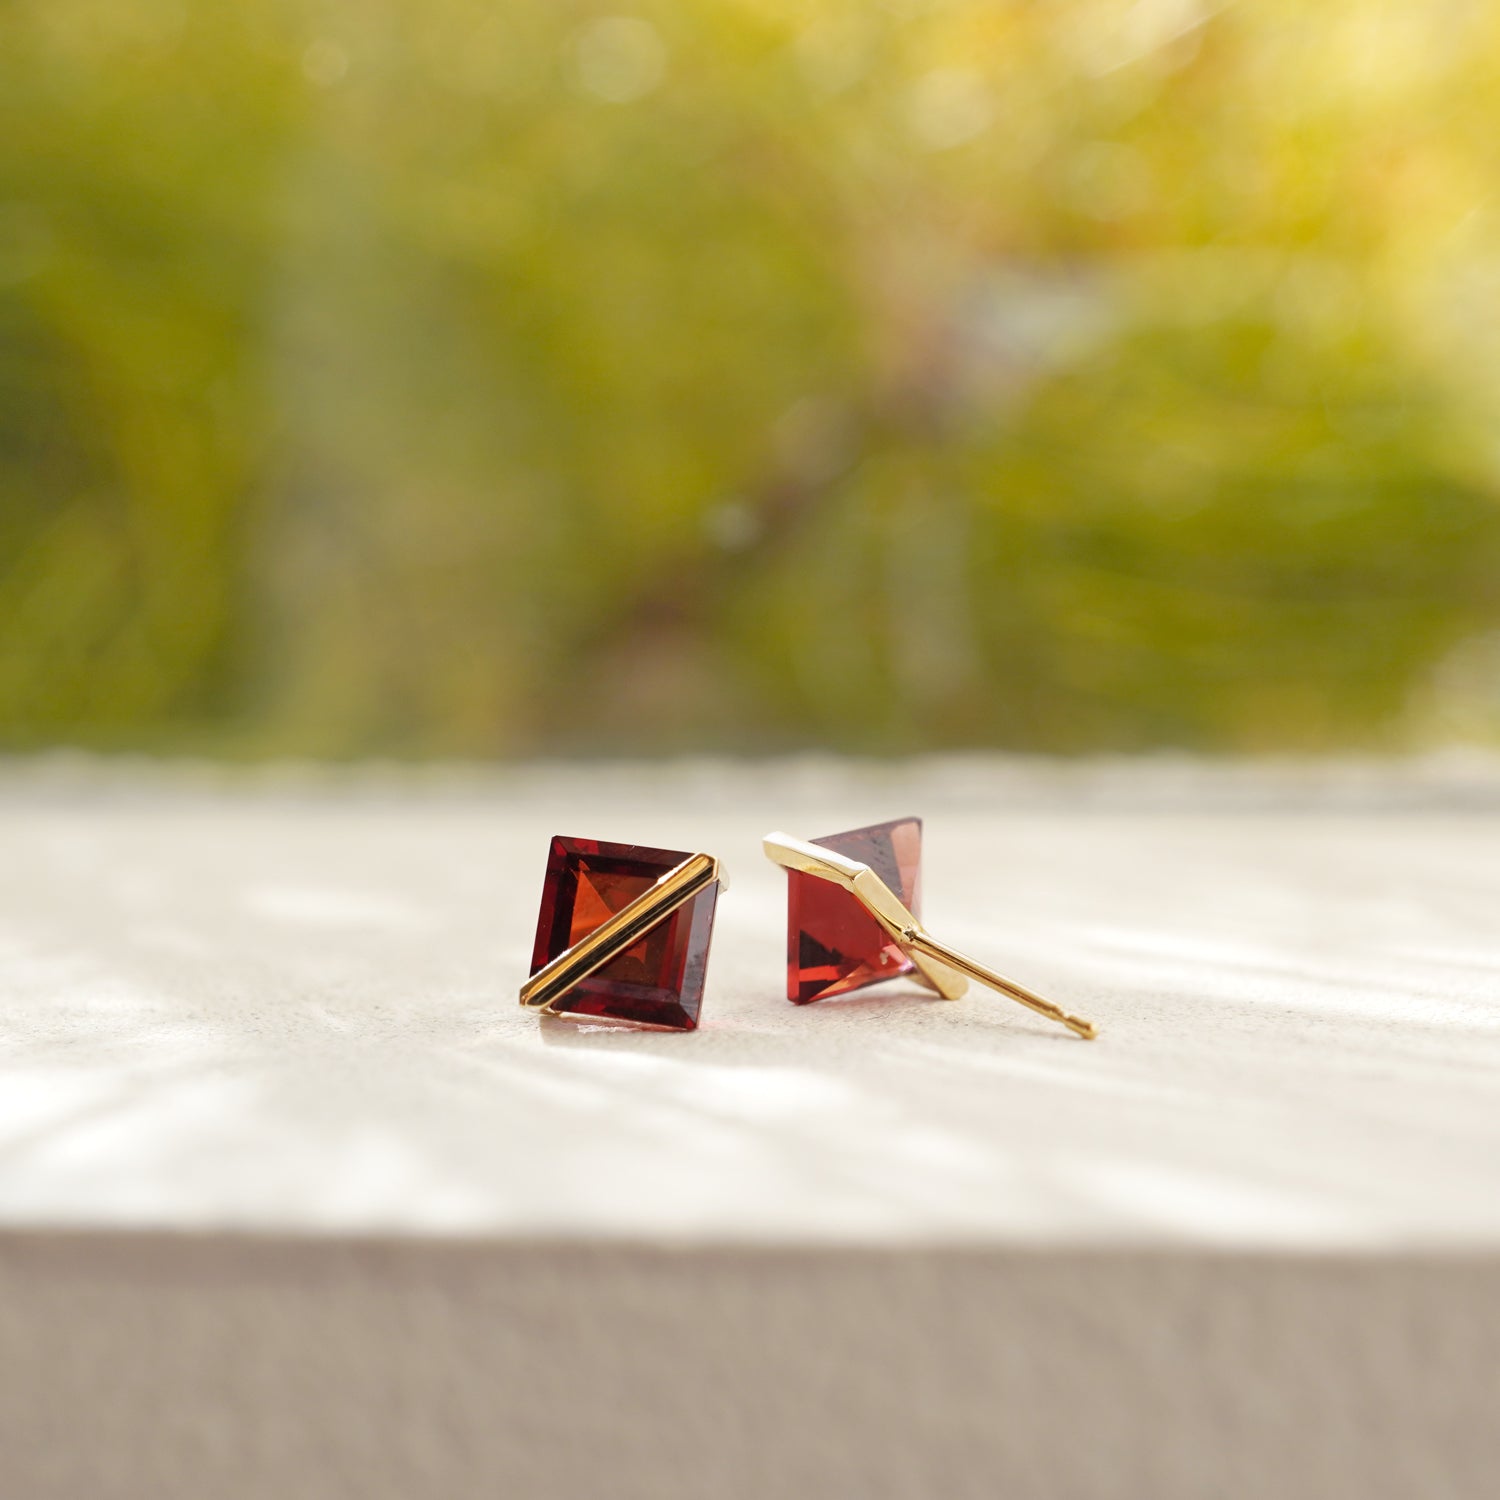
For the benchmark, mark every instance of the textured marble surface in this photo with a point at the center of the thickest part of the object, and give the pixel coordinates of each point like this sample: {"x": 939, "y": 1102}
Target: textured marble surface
{"x": 285, "y": 1002}
{"x": 294, "y": 1199}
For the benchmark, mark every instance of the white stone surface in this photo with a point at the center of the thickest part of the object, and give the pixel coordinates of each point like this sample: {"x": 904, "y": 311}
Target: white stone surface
{"x": 287, "y": 1004}
{"x": 295, "y": 1200}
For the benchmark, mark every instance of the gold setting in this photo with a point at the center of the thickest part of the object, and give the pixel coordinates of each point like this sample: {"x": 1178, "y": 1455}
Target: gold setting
{"x": 622, "y": 931}
{"x": 939, "y": 967}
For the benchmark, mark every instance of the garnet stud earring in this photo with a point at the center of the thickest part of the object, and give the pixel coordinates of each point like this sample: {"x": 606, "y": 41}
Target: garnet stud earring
{"x": 848, "y": 927}
{"x": 623, "y": 934}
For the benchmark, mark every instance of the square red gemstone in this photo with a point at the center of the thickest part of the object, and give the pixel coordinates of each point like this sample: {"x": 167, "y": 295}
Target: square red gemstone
{"x": 833, "y": 944}
{"x": 658, "y": 981}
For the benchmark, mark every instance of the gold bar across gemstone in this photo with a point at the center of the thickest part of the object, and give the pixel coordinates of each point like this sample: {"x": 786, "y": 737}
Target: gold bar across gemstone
{"x": 622, "y": 931}
{"x": 944, "y": 968}
{"x": 874, "y": 895}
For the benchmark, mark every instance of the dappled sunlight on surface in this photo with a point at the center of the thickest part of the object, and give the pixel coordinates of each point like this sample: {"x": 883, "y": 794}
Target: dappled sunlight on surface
{"x": 307, "y": 1015}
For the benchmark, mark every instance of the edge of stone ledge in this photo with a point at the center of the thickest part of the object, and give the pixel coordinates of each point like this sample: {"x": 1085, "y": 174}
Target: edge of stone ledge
{"x": 54, "y": 1243}
{"x": 1455, "y": 779}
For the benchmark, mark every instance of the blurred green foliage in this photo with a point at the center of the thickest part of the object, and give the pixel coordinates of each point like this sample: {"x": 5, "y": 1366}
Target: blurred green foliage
{"x": 431, "y": 376}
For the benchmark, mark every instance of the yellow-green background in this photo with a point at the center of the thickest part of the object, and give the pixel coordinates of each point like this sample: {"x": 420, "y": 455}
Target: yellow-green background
{"x": 433, "y": 376}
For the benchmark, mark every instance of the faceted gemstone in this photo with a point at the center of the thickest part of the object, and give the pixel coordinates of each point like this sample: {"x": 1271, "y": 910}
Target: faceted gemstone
{"x": 658, "y": 981}
{"x": 833, "y": 944}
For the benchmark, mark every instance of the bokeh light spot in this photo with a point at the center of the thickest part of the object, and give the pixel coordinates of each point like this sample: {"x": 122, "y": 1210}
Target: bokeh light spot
{"x": 620, "y": 58}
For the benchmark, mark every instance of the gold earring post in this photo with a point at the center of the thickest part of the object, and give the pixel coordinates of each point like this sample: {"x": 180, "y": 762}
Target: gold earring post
{"x": 922, "y": 941}
{"x": 942, "y": 968}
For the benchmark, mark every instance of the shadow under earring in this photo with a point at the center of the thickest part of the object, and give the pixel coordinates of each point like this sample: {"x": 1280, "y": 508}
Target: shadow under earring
{"x": 852, "y": 903}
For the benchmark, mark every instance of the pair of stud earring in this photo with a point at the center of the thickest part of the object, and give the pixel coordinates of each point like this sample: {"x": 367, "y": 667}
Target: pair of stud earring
{"x": 624, "y": 931}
